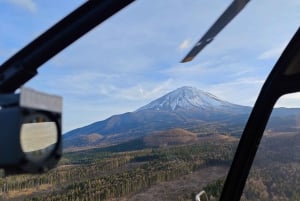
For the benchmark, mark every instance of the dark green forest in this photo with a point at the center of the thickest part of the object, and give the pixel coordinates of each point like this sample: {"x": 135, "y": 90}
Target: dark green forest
{"x": 104, "y": 174}
{"x": 127, "y": 171}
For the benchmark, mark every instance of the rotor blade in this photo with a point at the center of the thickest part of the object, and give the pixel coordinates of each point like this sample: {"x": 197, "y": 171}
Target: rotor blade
{"x": 234, "y": 8}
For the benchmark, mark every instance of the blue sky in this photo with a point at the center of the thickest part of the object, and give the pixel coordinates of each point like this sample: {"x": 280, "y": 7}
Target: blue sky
{"x": 133, "y": 57}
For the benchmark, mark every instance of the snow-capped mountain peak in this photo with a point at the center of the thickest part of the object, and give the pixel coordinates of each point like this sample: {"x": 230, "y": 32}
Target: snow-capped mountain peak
{"x": 185, "y": 107}
{"x": 187, "y": 98}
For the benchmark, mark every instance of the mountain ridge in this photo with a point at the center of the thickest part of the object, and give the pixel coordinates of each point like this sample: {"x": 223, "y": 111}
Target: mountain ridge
{"x": 186, "y": 107}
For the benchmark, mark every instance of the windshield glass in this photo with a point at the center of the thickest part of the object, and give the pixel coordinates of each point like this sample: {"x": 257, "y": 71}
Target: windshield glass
{"x": 139, "y": 125}
{"x": 275, "y": 172}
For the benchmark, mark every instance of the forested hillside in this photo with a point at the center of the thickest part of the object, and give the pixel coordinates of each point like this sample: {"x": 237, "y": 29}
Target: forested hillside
{"x": 132, "y": 171}
{"x": 100, "y": 174}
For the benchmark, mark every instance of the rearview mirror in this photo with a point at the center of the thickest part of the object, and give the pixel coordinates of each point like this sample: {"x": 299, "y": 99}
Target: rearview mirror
{"x": 38, "y": 139}
{"x": 31, "y": 131}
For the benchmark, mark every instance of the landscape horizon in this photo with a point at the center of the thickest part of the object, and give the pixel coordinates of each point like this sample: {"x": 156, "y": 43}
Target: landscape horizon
{"x": 169, "y": 149}
{"x": 187, "y": 108}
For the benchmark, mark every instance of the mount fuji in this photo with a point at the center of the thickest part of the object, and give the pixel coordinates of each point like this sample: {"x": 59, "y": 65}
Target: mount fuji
{"x": 185, "y": 107}
{"x": 191, "y": 99}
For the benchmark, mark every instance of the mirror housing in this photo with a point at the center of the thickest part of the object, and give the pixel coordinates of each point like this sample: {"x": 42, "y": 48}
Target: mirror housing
{"x": 18, "y": 114}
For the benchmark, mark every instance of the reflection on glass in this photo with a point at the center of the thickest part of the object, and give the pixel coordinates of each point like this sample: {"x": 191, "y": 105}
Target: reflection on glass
{"x": 275, "y": 173}
{"x": 38, "y": 139}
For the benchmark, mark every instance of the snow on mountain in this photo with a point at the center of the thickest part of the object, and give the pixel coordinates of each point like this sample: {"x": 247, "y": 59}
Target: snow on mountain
{"x": 186, "y": 107}
{"x": 188, "y": 98}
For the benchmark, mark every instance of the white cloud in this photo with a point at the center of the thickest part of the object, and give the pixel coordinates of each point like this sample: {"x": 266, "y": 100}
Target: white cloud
{"x": 25, "y": 4}
{"x": 218, "y": 70}
{"x": 144, "y": 92}
{"x": 186, "y": 70}
{"x": 242, "y": 91}
{"x": 137, "y": 56}
{"x": 272, "y": 53}
{"x": 185, "y": 44}
{"x": 289, "y": 100}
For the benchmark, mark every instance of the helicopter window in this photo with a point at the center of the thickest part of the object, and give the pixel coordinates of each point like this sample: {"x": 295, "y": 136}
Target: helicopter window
{"x": 128, "y": 62}
{"x": 275, "y": 173}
